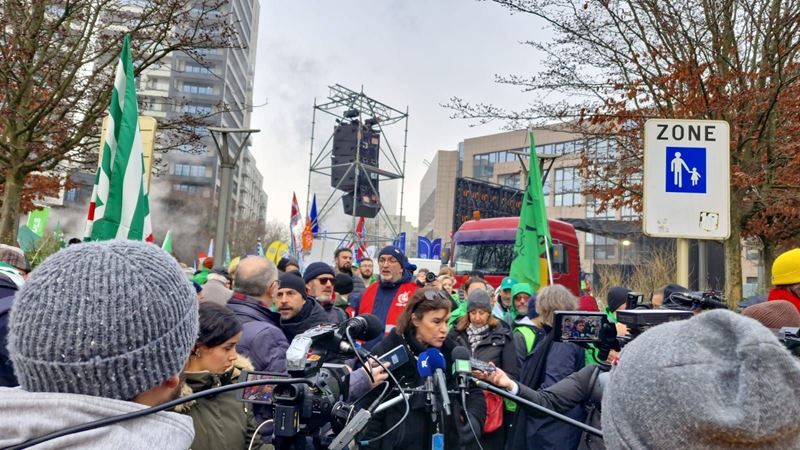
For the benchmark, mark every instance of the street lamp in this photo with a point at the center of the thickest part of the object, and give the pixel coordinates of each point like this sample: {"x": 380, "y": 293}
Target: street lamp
{"x": 625, "y": 243}
{"x": 227, "y": 163}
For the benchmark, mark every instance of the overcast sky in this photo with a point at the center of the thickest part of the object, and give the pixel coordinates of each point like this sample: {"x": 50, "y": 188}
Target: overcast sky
{"x": 415, "y": 53}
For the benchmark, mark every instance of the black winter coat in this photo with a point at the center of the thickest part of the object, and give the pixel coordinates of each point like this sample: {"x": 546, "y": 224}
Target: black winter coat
{"x": 416, "y": 430}
{"x": 497, "y": 346}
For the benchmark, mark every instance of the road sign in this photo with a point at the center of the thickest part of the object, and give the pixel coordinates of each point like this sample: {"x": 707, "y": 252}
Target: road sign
{"x": 686, "y": 179}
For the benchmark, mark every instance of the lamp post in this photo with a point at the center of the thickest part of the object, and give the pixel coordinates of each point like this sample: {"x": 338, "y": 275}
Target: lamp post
{"x": 625, "y": 243}
{"x": 227, "y": 163}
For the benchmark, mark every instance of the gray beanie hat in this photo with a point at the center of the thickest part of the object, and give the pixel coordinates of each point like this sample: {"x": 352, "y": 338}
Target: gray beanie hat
{"x": 109, "y": 319}
{"x": 716, "y": 381}
{"x": 479, "y": 299}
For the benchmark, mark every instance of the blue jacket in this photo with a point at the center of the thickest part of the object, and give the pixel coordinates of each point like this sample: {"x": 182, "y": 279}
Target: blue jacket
{"x": 262, "y": 340}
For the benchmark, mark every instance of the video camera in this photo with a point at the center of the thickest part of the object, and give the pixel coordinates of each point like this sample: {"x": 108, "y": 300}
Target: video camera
{"x": 585, "y": 327}
{"x": 695, "y": 300}
{"x": 317, "y": 355}
{"x": 790, "y": 337}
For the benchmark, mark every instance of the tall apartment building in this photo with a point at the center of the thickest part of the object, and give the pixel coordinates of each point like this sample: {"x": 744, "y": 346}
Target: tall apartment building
{"x": 221, "y": 88}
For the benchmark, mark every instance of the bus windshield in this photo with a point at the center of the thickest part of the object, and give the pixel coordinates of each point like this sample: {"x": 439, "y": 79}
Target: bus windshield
{"x": 490, "y": 258}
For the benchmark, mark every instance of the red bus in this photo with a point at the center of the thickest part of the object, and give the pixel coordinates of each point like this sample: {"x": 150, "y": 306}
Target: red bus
{"x": 487, "y": 246}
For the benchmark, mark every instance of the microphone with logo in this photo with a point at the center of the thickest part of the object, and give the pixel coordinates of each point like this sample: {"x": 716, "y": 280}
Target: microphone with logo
{"x": 462, "y": 368}
{"x": 431, "y": 365}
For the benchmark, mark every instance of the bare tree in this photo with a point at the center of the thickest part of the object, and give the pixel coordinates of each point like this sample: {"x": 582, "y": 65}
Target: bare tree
{"x": 616, "y": 63}
{"x": 57, "y": 61}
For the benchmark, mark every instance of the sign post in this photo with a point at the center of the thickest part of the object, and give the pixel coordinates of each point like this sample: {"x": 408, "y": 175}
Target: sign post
{"x": 686, "y": 183}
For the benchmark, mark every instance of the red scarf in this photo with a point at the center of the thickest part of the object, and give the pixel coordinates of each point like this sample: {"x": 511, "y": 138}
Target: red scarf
{"x": 784, "y": 294}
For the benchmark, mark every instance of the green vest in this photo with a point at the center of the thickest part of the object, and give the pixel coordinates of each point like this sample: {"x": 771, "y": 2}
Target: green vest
{"x": 530, "y": 341}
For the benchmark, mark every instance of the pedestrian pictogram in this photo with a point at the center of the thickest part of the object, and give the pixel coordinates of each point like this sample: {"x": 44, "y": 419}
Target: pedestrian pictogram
{"x": 686, "y": 170}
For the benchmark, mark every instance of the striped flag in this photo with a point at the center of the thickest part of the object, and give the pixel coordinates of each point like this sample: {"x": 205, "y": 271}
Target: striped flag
{"x": 294, "y": 222}
{"x": 167, "y": 244}
{"x": 119, "y": 208}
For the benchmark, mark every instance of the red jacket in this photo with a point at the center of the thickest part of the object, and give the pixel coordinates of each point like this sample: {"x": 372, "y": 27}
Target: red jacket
{"x": 784, "y": 294}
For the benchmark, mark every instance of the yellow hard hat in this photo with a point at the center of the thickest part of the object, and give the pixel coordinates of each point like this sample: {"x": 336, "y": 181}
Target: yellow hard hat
{"x": 786, "y": 268}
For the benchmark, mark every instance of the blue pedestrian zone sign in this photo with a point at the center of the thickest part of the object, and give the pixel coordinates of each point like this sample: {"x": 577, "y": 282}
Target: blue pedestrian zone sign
{"x": 686, "y": 170}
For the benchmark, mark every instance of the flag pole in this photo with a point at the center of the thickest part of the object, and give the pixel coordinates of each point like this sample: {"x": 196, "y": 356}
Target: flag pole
{"x": 547, "y": 244}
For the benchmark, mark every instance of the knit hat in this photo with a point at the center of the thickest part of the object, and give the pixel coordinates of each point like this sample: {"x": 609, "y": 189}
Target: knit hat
{"x": 292, "y": 280}
{"x": 316, "y": 269}
{"x": 507, "y": 284}
{"x": 716, "y": 381}
{"x": 521, "y": 288}
{"x": 786, "y": 268}
{"x": 398, "y": 255}
{"x": 208, "y": 263}
{"x": 617, "y": 296}
{"x": 774, "y": 314}
{"x": 108, "y": 319}
{"x": 479, "y": 299}
{"x": 284, "y": 262}
{"x": 15, "y": 257}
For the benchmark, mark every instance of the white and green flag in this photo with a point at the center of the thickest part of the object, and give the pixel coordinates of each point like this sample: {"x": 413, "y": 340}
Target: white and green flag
{"x": 119, "y": 208}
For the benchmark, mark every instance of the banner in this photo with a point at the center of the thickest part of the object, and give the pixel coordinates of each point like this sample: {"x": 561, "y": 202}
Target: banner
{"x": 423, "y": 247}
{"x": 400, "y": 242}
{"x": 37, "y": 220}
{"x": 436, "y": 249}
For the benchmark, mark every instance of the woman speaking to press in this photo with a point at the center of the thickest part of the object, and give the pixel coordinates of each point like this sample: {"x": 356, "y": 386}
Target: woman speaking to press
{"x": 422, "y": 326}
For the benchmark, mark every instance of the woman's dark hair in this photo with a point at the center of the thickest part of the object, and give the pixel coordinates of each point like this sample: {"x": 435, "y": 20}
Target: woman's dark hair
{"x": 463, "y": 322}
{"x": 472, "y": 280}
{"x": 217, "y": 324}
{"x": 419, "y": 305}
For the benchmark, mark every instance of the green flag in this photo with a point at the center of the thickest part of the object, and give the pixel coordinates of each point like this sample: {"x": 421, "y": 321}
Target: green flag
{"x": 119, "y": 208}
{"x": 37, "y": 220}
{"x": 533, "y": 234}
{"x": 167, "y": 244}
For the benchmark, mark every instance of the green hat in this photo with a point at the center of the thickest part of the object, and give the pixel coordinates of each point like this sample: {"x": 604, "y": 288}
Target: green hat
{"x": 507, "y": 283}
{"x": 521, "y": 288}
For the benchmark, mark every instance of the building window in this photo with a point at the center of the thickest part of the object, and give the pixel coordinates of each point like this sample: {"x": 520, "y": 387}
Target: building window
{"x": 195, "y": 68}
{"x": 190, "y": 188}
{"x": 190, "y": 108}
{"x": 567, "y": 187}
{"x": 592, "y": 207}
{"x": 189, "y": 170}
{"x": 191, "y": 88}
{"x": 511, "y": 180}
{"x": 601, "y": 247}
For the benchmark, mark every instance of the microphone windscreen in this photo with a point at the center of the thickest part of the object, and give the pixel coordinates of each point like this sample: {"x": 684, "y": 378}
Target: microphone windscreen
{"x": 436, "y": 358}
{"x": 423, "y": 365}
{"x": 374, "y": 327}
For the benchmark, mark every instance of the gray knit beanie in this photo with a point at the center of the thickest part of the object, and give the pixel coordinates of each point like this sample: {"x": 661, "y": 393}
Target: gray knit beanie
{"x": 716, "y": 381}
{"x": 108, "y": 319}
{"x": 479, "y": 299}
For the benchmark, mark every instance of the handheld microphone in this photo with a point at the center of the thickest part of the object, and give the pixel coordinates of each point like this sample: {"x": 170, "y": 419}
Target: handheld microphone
{"x": 425, "y": 370}
{"x": 432, "y": 360}
{"x": 462, "y": 368}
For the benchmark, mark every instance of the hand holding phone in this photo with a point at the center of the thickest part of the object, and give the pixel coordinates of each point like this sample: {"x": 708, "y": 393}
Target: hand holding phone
{"x": 481, "y": 366}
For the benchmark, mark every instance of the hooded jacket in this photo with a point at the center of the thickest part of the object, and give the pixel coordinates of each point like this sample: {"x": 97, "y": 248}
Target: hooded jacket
{"x": 262, "y": 340}
{"x": 220, "y": 421}
{"x": 311, "y": 315}
{"x": 28, "y": 415}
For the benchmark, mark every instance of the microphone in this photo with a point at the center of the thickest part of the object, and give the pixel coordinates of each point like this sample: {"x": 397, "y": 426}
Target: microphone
{"x": 432, "y": 360}
{"x": 462, "y": 367}
{"x": 425, "y": 370}
{"x": 364, "y": 327}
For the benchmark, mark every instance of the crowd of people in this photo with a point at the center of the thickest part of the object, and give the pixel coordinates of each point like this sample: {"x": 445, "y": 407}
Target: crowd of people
{"x": 109, "y": 328}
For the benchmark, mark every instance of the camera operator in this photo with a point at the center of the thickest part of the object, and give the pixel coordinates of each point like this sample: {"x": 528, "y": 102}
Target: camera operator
{"x": 683, "y": 374}
{"x": 423, "y": 325}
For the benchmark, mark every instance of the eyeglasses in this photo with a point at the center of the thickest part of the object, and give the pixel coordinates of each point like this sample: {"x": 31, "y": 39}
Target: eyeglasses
{"x": 326, "y": 280}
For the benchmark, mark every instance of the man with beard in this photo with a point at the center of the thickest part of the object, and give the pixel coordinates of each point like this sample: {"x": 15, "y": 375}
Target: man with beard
{"x": 343, "y": 258}
{"x": 319, "y": 279}
{"x": 524, "y": 329}
{"x": 387, "y": 298}
{"x": 98, "y": 330}
{"x": 298, "y": 312}
{"x": 366, "y": 271}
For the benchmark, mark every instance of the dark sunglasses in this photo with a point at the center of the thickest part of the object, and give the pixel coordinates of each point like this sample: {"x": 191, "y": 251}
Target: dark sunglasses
{"x": 326, "y": 280}
{"x": 430, "y": 295}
